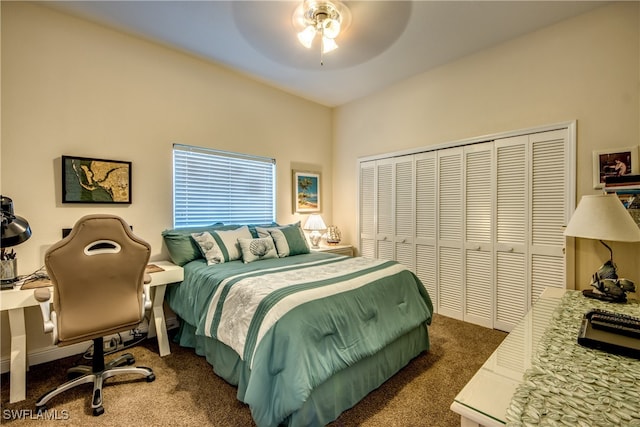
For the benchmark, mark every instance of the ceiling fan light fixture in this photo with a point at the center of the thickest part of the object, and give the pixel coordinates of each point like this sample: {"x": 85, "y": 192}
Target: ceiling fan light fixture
{"x": 327, "y": 18}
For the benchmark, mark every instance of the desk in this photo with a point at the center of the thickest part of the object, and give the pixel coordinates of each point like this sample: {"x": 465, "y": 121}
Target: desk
{"x": 486, "y": 397}
{"x": 565, "y": 378}
{"x": 15, "y": 300}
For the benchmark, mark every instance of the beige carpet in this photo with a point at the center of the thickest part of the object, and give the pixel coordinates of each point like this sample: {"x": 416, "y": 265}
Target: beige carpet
{"x": 188, "y": 393}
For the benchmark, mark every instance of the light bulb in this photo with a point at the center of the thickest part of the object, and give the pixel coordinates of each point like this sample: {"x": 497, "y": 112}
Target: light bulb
{"x": 331, "y": 28}
{"x": 328, "y": 45}
{"x": 306, "y": 36}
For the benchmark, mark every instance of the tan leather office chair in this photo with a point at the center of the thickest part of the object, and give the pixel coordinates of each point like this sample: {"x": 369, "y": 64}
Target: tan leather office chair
{"x": 98, "y": 276}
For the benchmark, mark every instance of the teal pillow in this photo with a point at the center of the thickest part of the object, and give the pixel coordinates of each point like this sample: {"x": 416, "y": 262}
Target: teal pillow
{"x": 182, "y": 248}
{"x": 254, "y": 232}
{"x": 289, "y": 239}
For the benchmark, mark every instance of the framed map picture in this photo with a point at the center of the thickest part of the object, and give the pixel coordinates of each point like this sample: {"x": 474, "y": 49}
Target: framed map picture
{"x": 87, "y": 180}
{"x": 306, "y": 192}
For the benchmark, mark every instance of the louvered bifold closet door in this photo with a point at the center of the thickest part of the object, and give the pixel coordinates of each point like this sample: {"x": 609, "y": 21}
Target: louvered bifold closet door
{"x": 511, "y": 231}
{"x": 549, "y": 184}
{"x": 450, "y": 226}
{"x": 367, "y": 209}
{"x": 478, "y": 210}
{"x": 425, "y": 223}
{"x": 404, "y": 206}
{"x": 384, "y": 209}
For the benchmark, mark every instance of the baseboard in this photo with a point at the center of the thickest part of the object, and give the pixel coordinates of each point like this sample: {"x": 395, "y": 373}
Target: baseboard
{"x": 47, "y": 354}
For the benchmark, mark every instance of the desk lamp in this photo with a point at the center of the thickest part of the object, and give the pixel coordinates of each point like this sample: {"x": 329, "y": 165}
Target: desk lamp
{"x": 15, "y": 230}
{"x": 315, "y": 224}
{"x": 603, "y": 217}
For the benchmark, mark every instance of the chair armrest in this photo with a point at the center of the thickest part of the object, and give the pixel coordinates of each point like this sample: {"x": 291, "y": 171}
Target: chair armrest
{"x": 146, "y": 293}
{"x": 43, "y": 296}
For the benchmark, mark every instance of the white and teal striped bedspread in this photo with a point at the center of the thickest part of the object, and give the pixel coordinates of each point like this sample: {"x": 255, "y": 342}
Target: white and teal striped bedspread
{"x": 297, "y": 321}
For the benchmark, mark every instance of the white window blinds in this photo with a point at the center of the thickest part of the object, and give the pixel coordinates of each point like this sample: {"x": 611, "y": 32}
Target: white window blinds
{"x": 212, "y": 186}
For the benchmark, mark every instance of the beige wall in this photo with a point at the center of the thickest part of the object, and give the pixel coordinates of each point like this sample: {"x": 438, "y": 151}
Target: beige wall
{"x": 75, "y": 88}
{"x": 583, "y": 69}
{"x": 72, "y": 87}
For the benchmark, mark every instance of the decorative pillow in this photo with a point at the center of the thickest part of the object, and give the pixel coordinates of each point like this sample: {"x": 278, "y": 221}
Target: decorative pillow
{"x": 227, "y": 241}
{"x": 254, "y": 232}
{"x": 257, "y": 249}
{"x": 182, "y": 248}
{"x": 289, "y": 239}
{"x": 209, "y": 247}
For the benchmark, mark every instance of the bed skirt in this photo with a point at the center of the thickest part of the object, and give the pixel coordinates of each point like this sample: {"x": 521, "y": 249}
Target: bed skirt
{"x": 327, "y": 401}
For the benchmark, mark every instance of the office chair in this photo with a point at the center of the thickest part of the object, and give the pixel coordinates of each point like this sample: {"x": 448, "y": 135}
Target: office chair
{"x": 98, "y": 277}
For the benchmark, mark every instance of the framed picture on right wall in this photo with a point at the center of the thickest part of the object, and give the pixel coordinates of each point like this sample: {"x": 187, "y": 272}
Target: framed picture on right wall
{"x": 306, "y": 191}
{"x": 614, "y": 162}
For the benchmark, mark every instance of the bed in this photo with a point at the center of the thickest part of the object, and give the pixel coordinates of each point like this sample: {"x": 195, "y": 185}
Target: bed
{"x": 303, "y": 336}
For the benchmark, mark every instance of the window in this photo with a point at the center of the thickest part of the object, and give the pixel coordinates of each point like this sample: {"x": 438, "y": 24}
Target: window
{"x": 212, "y": 186}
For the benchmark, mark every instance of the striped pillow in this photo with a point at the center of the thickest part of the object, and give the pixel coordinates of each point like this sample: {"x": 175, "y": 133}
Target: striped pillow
{"x": 222, "y": 245}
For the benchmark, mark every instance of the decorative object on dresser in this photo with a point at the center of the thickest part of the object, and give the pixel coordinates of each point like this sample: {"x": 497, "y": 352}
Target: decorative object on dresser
{"x": 603, "y": 217}
{"x": 306, "y": 192}
{"x": 15, "y": 230}
{"x": 87, "y": 180}
{"x": 333, "y": 235}
{"x": 315, "y": 224}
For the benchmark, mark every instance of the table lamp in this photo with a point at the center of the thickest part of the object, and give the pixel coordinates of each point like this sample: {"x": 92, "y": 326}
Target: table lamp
{"x": 603, "y": 217}
{"x": 15, "y": 230}
{"x": 315, "y": 224}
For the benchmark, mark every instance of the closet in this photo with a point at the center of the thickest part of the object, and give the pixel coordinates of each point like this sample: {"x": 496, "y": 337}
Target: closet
{"x": 480, "y": 222}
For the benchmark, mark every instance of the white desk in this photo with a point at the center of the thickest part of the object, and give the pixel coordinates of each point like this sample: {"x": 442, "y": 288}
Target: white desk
{"x": 486, "y": 397}
{"x": 15, "y": 300}
{"x": 159, "y": 281}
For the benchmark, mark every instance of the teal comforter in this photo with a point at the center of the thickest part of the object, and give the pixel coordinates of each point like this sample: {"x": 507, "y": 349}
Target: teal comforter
{"x": 297, "y": 321}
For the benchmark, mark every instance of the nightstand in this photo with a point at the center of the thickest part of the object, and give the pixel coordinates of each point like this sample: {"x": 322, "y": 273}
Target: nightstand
{"x": 335, "y": 249}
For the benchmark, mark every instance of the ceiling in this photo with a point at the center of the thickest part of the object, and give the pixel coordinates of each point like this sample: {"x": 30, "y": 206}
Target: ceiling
{"x": 387, "y": 41}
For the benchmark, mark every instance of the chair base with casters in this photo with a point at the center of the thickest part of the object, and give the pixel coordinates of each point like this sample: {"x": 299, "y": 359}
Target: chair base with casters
{"x": 96, "y": 374}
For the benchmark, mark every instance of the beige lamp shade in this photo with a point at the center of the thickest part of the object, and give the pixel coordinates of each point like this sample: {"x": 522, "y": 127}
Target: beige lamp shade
{"x": 603, "y": 217}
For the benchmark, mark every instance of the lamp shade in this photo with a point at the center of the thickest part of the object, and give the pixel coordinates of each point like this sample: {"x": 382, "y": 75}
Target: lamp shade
{"x": 602, "y": 217}
{"x": 315, "y": 223}
{"x": 15, "y": 229}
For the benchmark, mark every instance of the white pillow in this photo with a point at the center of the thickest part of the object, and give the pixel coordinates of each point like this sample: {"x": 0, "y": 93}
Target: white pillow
{"x": 225, "y": 246}
{"x": 257, "y": 249}
{"x": 208, "y": 247}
